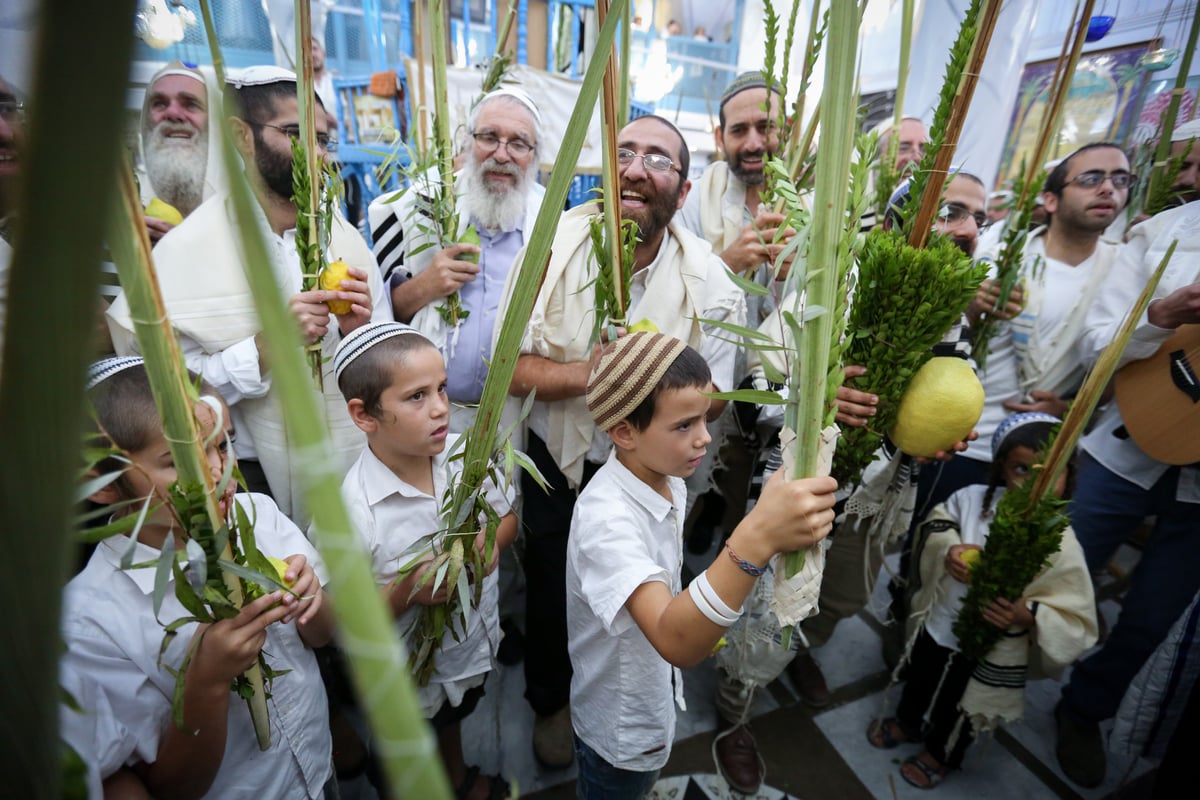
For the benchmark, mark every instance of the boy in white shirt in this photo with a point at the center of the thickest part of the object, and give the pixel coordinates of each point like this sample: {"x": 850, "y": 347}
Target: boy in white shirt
{"x": 114, "y": 633}
{"x": 630, "y": 628}
{"x": 394, "y": 382}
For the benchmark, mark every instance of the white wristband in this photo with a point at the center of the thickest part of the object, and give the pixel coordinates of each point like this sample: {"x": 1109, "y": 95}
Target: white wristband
{"x": 714, "y": 599}
{"x": 706, "y": 608}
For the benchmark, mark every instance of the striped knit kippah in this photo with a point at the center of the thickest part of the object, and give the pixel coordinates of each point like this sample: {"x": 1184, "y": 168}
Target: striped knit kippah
{"x": 754, "y": 79}
{"x": 105, "y": 368}
{"x": 627, "y": 373}
{"x": 360, "y": 340}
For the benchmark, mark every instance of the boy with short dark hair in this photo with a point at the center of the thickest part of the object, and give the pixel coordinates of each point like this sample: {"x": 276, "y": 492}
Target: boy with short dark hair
{"x": 630, "y": 625}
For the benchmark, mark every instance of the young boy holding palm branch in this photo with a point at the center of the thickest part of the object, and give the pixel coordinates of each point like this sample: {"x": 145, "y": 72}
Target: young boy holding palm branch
{"x": 394, "y": 382}
{"x": 114, "y": 635}
{"x": 630, "y": 626}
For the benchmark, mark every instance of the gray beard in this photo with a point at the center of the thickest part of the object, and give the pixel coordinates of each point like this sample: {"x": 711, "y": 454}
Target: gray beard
{"x": 495, "y": 210}
{"x": 176, "y": 168}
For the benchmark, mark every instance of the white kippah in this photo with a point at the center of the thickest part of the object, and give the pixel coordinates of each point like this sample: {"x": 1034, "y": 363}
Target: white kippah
{"x": 360, "y": 340}
{"x": 518, "y": 94}
{"x": 104, "y": 369}
{"x": 259, "y": 76}
{"x": 1187, "y": 131}
{"x": 1014, "y": 421}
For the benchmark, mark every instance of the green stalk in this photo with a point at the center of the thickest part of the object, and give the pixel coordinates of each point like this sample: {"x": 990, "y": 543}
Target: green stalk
{"x": 172, "y": 394}
{"x": 308, "y": 201}
{"x": 623, "y": 83}
{"x": 501, "y": 58}
{"x": 365, "y": 627}
{"x": 815, "y": 336}
{"x": 45, "y": 354}
{"x": 962, "y": 76}
{"x": 447, "y": 224}
{"x": 1160, "y": 185}
{"x": 888, "y": 177}
{"x": 610, "y": 178}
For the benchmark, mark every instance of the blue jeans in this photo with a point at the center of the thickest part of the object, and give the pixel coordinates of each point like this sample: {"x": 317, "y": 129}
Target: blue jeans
{"x": 1105, "y": 510}
{"x": 600, "y": 780}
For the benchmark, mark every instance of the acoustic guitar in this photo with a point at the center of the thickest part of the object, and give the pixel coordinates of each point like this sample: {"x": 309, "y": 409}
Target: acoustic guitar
{"x": 1159, "y": 398}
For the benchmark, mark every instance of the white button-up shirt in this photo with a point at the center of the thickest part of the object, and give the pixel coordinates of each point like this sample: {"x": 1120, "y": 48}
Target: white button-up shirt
{"x": 623, "y": 534}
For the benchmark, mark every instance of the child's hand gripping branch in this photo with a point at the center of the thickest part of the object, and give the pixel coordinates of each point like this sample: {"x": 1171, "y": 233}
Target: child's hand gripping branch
{"x": 189, "y": 756}
{"x": 790, "y": 515}
{"x": 306, "y": 604}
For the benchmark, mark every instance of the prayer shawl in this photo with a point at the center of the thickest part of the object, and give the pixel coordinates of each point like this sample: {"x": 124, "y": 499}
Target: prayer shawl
{"x": 1065, "y": 621}
{"x": 678, "y": 290}
{"x": 207, "y": 297}
{"x": 402, "y": 224}
{"x": 1053, "y": 363}
{"x": 721, "y": 219}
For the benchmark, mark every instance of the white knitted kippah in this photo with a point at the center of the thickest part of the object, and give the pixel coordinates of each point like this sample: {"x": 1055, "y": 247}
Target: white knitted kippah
{"x": 1014, "y": 421}
{"x": 259, "y": 76}
{"x": 360, "y": 340}
{"x": 627, "y": 373}
{"x": 105, "y": 368}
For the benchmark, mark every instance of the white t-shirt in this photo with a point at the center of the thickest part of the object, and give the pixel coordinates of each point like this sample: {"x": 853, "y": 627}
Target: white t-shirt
{"x": 623, "y": 534}
{"x": 113, "y": 637}
{"x": 394, "y": 520}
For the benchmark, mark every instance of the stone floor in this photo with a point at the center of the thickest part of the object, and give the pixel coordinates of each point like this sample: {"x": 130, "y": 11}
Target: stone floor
{"x": 810, "y": 754}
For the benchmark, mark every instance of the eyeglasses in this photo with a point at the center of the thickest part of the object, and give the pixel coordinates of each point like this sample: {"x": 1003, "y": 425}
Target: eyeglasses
{"x": 652, "y": 161}
{"x": 1095, "y": 177}
{"x": 11, "y": 109}
{"x": 957, "y": 212}
{"x": 490, "y": 142}
{"x": 324, "y": 140}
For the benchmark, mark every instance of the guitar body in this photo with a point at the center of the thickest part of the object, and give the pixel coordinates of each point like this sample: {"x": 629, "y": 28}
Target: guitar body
{"x": 1159, "y": 398}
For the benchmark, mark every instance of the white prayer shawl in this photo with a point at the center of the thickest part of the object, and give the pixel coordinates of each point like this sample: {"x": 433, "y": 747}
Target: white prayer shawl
{"x": 1053, "y": 363}
{"x": 207, "y": 297}
{"x": 677, "y": 295}
{"x": 1065, "y": 624}
{"x": 722, "y": 205}
{"x": 419, "y": 233}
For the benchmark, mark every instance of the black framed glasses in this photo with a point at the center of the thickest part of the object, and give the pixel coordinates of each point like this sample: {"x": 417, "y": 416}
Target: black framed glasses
{"x": 1094, "y": 177}
{"x": 490, "y": 143}
{"x": 324, "y": 140}
{"x": 957, "y": 212}
{"x": 651, "y": 161}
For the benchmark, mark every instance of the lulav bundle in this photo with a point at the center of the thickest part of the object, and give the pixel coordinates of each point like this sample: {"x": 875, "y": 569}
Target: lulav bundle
{"x": 1025, "y": 532}
{"x": 905, "y": 301}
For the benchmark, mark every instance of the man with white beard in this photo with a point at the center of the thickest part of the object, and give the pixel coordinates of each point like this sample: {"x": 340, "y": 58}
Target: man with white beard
{"x": 181, "y": 169}
{"x": 496, "y": 191}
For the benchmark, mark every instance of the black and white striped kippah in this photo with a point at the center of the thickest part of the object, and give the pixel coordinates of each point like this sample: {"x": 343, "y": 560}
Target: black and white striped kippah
{"x": 104, "y": 369}
{"x": 363, "y": 339}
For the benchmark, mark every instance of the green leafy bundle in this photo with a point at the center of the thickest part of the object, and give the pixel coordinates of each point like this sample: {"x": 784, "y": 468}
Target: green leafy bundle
{"x": 312, "y": 245}
{"x": 1159, "y": 194}
{"x": 1010, "y": 262}
{"x": 1024, "y": 534}
{"x": 610, "y": 308}
{"x": 906, "y": 299}
{"x": 200, "y": 584}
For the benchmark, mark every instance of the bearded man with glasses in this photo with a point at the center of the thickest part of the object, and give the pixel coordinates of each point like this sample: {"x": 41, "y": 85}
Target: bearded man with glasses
{"x": 496, "y": 190}
{"x": 678, "y": 284}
